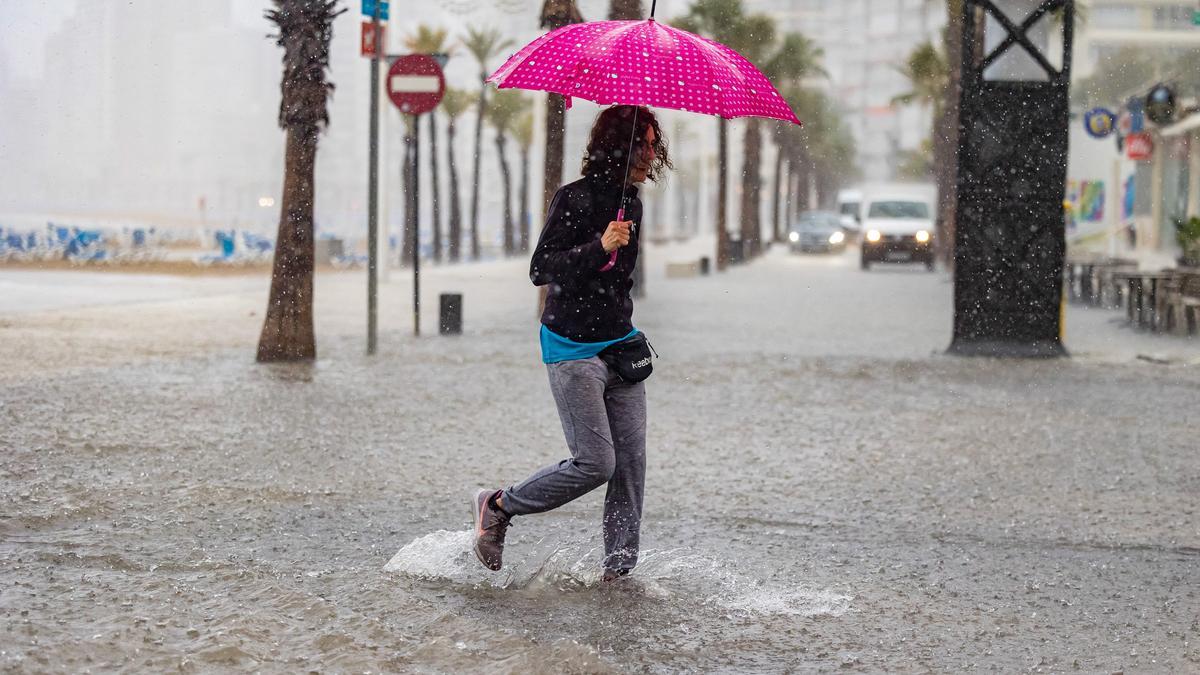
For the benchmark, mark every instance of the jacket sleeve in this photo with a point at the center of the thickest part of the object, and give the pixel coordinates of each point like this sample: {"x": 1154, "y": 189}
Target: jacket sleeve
{"x": 566, "y": 251}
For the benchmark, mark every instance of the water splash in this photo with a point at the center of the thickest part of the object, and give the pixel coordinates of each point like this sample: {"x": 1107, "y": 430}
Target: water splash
{"x": 574, "y": 566}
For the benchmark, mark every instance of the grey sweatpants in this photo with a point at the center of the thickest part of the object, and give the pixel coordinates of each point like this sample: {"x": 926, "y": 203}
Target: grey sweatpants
{"x": 604, "y": 419}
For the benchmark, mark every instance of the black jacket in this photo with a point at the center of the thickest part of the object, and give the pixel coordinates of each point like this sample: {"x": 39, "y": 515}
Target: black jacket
{"x": 583, "y": 303}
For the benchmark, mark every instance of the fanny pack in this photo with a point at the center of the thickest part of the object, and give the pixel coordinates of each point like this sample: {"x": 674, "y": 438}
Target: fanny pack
{"x": 630, "y": 358}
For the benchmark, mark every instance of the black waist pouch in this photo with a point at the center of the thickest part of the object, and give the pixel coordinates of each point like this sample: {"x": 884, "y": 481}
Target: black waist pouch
{"x": 630, "y": 358}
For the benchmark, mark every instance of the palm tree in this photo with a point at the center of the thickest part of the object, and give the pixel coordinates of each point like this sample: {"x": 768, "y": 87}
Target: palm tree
{"x": 507, "y": 104}
{"x": 555, "y": 14}
{"x": 752, "y": 39}
{"x": 830, "y": 148}
{"x": 483, "y": 44}
{"x": 783, "y": 143}
{"x": 432, "y": 41}
{"x": 523, "y": 133}
{"x": 619, "y": 10}
{"x": 928, "y": 73}
{"x": 305, "y": 31}
{"x": 795, "y": 59}
{"x": 718, "y": 19}
{"x": 933, "y": 85}
{"x": 454, "y": 103}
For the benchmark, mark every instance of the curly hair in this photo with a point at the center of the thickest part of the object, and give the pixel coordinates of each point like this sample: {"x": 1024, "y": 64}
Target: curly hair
{"x": 610, "y": 139}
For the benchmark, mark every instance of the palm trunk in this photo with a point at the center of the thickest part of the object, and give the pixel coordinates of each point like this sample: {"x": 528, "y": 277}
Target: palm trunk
{"x": 789, "y": 191}
{"x": 556, "y": 115}
{"x": 803, "y": 181}
{"x": 945, "y": 135}
{"x": 751, "y": 226}
{"x": 287, "y": 333}
{"x": 478, "y": 152}
{"x": 776, "y": 233}
{"x": 436, "y": 194}
{"x": 722, "y": 194}
{"x": 506, "y": 179}
{"x": 455, "y": 244}
{"x": 523, "y": 218}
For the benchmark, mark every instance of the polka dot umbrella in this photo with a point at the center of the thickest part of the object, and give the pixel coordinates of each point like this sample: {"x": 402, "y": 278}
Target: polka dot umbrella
{"x": 643, "y": 63}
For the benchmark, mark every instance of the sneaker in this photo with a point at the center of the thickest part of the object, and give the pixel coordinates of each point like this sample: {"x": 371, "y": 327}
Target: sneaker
{"x": 490, "y": 527}
{"x": 610, "y": 576}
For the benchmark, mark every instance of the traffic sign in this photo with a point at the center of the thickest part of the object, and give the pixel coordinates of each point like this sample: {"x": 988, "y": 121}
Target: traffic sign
{"x": 368, "y": 8}
{"x": 1099, "y": 122}
{"x": 372, "y": 39}
{"x": 415, "y": 84}
{"x": 1139, "y": 146}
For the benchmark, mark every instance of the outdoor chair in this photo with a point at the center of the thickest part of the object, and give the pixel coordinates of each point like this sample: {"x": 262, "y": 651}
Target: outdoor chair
{"x": 1109, "y": 287}
{"x": 1181, "y": 303}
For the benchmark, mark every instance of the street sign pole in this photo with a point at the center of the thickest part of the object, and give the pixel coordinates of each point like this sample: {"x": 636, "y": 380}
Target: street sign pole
{"x": 416, "y": 224}
{"x": 416, "y": 85}
{"x": 373, "y": 192}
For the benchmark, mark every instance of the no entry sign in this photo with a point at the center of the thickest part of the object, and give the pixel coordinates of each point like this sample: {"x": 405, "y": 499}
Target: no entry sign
{"x": 415, "y": 84}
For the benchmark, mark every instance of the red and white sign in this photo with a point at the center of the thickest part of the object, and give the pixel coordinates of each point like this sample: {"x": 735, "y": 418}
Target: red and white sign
{"x": 415, "y": 84}
{"x": 1139, "y": 146}
{"x": 372, "y": 41}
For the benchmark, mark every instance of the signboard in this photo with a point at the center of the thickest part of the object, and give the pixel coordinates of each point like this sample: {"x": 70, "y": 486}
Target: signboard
{"x": 415, "y": 84}
{"x": 368, "y": 8}
{"x": 1139, "y": 146}
{"x": 1099, "y": 122}
{"x": 372, "y": 40}
{"x": 1196, "y": 17}
{"x": 1160, "y": 105}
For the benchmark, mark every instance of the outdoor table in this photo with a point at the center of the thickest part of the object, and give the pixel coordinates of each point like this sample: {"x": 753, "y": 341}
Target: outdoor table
{"x": 1143, "y": 295}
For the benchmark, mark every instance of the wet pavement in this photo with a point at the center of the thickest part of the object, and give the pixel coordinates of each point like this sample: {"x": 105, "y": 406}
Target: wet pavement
{"x": 825, "y": 491}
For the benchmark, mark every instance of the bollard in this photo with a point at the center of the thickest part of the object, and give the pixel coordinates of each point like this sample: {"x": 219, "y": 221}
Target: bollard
{"x": 450, "y": 318}
{"x": 704, "y": 262}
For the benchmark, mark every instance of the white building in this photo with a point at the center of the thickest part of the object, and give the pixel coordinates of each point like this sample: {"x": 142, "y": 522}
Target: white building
{"x": 866, "y": 43}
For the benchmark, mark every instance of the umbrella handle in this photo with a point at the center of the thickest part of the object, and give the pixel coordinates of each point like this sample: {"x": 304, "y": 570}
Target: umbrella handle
{"x": 612, "y": 259}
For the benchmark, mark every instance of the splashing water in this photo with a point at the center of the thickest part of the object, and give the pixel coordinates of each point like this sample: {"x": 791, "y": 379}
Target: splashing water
{"x": 572, "y": 566}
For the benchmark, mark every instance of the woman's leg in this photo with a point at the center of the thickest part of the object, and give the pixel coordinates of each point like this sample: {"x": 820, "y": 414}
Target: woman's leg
{"x": 578, "y": 388}
{"x": 626, "y": 405}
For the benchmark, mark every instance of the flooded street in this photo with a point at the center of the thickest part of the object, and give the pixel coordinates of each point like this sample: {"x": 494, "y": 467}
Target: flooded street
{"x": 825, "y": 491}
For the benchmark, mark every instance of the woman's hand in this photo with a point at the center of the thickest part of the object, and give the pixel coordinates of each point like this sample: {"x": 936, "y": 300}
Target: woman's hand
{"x": 616, "y": 236}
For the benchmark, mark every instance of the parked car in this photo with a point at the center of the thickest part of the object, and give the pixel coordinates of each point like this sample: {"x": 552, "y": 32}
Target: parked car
{"x": 897, "y": 228}
{"x": 817, "y": 231}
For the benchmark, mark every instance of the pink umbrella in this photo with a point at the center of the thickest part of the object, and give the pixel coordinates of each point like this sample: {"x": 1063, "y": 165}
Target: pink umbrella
{"x": 643, "y": 63}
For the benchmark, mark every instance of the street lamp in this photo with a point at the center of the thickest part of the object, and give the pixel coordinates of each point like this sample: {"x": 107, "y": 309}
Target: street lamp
{"x": 1010, "y": 232}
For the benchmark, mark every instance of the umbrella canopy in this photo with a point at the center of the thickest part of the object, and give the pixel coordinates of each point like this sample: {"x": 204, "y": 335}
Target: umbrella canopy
{"x": 644, "y": 63}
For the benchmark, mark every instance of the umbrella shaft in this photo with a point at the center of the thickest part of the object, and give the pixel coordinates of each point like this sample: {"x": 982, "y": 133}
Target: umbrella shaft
{"x": 628, "y": 161}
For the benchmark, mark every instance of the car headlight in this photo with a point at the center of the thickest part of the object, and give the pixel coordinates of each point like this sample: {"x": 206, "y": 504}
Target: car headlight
{"x": 794, "y": 237}
{"x": 873, "y": 235}
{"x": 836, "y": 238}
{"x": 922, "y": 236}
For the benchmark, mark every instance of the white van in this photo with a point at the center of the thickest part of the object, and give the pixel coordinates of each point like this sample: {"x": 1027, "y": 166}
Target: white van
{"x": 848, "y": 203}
{"x": 897, "y": 227}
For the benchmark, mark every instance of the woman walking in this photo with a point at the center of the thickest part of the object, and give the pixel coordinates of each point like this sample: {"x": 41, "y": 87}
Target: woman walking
{"x": 586, "y": 257}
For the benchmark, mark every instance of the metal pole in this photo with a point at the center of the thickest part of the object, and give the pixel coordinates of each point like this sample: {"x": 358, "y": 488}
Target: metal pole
{"x": 416, "y": 224}
{"x": 373, "y": 192}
